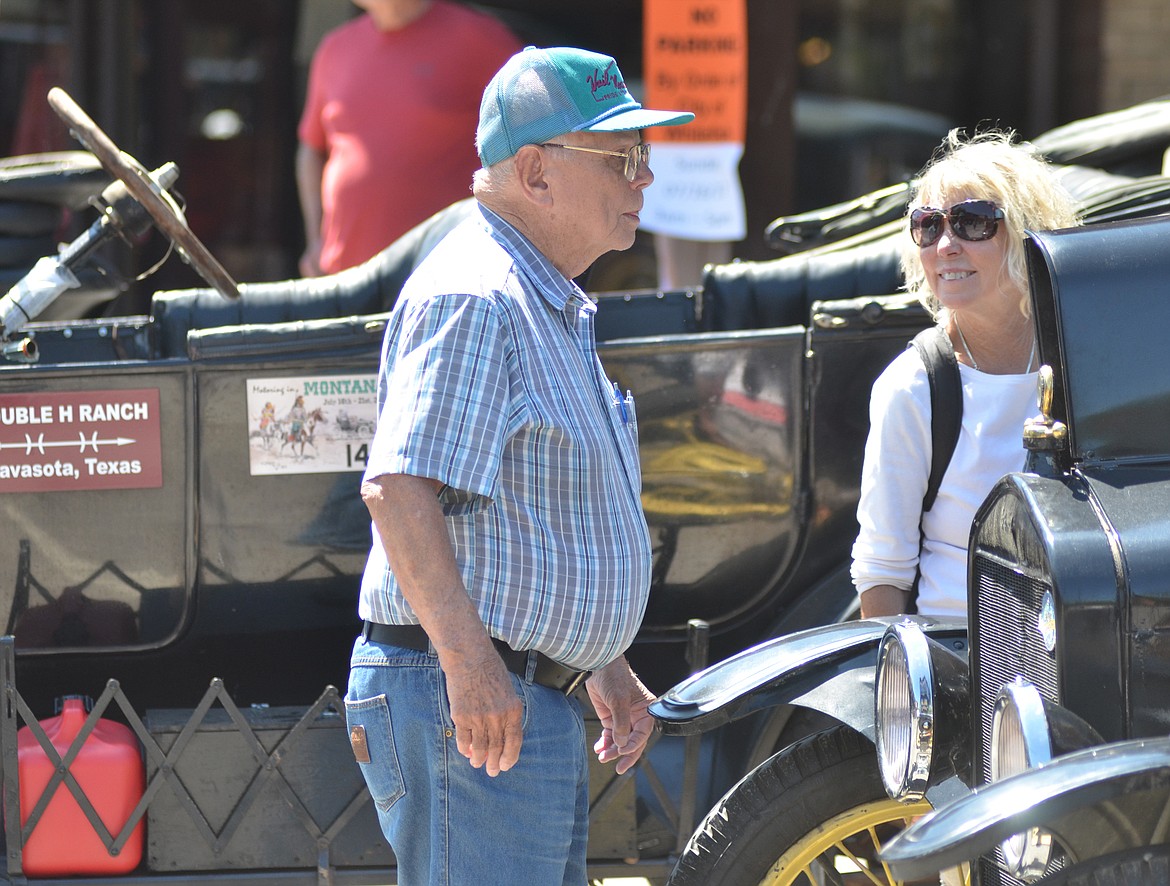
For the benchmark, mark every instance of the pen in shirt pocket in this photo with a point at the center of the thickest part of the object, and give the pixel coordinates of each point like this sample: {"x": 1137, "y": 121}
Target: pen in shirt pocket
{"x": 621, "y": 404}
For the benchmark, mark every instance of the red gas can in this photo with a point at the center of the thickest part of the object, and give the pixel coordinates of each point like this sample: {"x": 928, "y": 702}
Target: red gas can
{"x": 110, "y": 771}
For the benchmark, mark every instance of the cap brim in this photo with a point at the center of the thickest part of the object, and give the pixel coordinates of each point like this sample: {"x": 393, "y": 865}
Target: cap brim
{"x": 643, "y": 118}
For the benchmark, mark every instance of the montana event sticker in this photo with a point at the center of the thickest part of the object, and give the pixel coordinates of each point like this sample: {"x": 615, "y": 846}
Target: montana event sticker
{"x": 311, "y": 424}
{"x": 74, "y": 440}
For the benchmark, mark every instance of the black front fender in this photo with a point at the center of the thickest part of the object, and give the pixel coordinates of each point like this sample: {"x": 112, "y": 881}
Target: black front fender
{"x": 1094, "y": 801}
{"x": 828, "y": 668}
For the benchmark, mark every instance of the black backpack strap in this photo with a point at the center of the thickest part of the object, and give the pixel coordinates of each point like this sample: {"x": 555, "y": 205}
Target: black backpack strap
{"x": 946, "y": 417}
{"x": 946, "y": 403}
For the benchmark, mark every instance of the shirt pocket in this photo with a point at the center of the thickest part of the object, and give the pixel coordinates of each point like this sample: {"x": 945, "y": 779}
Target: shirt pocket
{"x": 626, "y": 436}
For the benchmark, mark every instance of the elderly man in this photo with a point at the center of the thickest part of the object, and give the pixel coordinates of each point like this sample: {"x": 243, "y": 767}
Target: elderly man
{"x": 511, "y": 558}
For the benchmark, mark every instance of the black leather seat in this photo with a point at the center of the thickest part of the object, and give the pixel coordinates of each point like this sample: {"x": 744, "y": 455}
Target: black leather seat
{"x": 369, "y": 288}
{"x": 780, "y": 292}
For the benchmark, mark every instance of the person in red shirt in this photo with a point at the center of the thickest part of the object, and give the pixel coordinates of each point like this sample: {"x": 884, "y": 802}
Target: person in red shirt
{"x": 385, "y": 138}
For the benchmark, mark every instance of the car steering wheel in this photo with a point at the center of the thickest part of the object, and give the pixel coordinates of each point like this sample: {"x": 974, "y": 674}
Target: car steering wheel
{"x": 143, "y": 188}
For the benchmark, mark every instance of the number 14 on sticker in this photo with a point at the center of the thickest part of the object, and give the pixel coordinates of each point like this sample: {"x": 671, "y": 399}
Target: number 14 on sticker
{"x": 353, "y": 456}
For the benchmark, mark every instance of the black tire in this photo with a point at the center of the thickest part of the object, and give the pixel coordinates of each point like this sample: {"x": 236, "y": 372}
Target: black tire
{"x": 1146, "y": 866}
{"x": 787, "y": 818}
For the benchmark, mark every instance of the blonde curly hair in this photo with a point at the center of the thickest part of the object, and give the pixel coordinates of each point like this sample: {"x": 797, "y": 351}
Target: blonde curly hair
{"x": 989, "y": 165}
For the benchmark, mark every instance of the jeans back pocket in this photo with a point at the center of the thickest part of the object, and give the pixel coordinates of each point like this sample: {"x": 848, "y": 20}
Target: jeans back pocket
{"x": 368, "y": 721}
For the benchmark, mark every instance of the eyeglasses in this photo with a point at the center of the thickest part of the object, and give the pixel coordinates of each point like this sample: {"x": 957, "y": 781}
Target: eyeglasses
{"x": 634, "y": 157}
{"x": 971, "y": 220}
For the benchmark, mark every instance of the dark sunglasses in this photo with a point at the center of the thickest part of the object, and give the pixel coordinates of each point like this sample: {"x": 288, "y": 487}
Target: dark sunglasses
{"x": 972, "y": 220}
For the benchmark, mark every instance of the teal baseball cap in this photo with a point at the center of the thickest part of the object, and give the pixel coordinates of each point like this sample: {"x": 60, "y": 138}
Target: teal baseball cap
{"x": 541, "y": 93}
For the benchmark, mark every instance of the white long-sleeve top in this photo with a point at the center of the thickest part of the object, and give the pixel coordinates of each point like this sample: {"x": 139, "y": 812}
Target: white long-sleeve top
{"x": 896, "y": 468}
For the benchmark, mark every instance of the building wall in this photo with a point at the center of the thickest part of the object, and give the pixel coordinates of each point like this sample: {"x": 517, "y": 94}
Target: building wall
{"x": 1135, "y": 52}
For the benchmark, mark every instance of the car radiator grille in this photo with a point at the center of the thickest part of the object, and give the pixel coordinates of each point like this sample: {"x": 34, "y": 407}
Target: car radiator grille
{"x": 1007, "y": 645}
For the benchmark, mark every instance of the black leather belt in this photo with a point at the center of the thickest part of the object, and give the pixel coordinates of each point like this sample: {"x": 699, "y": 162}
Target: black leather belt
{"x": 549, "y": 673}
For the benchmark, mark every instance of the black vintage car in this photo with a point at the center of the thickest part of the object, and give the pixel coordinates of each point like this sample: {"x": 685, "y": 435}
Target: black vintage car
{"x": 1067, "y": 699}
{"x": 1026, "y": 744}
{"x": 183, "y": 537}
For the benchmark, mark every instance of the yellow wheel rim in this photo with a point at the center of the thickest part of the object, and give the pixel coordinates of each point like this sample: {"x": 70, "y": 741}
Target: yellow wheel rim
{"x": 795, "y": 867}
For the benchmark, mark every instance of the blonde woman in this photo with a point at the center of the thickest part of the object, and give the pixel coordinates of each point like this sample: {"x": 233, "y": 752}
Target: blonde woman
{"x": 964, "y": 259}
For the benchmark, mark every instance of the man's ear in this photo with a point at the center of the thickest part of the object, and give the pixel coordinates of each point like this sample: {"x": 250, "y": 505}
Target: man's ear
{"x": 531, "y": 174}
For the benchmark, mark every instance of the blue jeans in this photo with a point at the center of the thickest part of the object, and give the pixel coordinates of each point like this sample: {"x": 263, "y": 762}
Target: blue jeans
{"x": 448, "y": 823}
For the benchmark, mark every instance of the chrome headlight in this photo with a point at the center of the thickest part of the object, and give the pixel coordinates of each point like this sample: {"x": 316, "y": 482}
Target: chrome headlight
{"x": 1020, "y": 740}
{"x": 905, "y": 711}
{"x": 1019, "y": 731}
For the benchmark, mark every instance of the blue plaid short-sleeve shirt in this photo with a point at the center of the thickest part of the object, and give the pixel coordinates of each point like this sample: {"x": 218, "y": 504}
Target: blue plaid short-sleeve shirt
{"x": 490, "y": 383}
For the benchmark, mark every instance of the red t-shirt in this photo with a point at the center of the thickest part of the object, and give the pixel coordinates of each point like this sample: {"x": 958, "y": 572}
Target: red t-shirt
{"x": 396, "y": 112}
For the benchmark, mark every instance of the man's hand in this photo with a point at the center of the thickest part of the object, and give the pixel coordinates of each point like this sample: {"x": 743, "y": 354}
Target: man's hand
{"x": 487, "y": 713}
{"x": 621, "y": 703}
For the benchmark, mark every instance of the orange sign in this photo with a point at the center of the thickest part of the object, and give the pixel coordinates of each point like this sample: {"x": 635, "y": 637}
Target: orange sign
{"x": 695, "y": 59}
